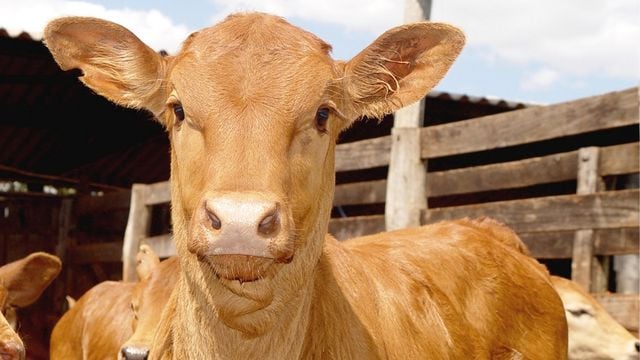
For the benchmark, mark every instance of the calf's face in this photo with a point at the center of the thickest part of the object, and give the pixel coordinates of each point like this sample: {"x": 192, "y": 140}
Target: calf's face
{"x": 253, "y": 107}
{"x": 593, "y": 333}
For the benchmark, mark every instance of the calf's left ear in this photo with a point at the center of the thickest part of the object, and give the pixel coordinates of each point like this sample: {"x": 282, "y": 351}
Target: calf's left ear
{"x": 115, "y": 63}
{"x": 399, "y": 68}
{"x": 26, "y": 279}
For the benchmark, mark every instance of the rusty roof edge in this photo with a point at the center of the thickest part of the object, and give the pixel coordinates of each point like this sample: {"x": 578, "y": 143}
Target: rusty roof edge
{"x": 488, "y": 99}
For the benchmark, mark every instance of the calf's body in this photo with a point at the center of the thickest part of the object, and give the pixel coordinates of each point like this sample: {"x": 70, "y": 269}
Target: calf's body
{"x": 96, "y": 326}
{"x": 253, "y": 107}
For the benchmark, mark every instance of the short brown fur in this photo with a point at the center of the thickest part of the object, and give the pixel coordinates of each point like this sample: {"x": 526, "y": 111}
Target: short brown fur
{"x": 251, "y": 89}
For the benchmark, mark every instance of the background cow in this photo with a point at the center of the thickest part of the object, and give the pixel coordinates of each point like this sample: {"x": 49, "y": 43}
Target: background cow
{"x": 21, "y": 283}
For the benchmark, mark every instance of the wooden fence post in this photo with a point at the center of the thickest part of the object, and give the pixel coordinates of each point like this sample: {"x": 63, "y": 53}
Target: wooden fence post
{"x": 626, "y": 266}
{"x": 137, "y": 229}
{"x": 63, "y": 285}
{"x": 406, "y": 182}
{"x": 585, "y": 267}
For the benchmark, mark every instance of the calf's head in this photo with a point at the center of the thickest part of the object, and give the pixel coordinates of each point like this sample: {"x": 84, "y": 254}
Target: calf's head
{"x": 21, "y": 283}
{"x": 593, "y": 333}
{"x": 253, "y": 107}
{"x": 147, "y": 303}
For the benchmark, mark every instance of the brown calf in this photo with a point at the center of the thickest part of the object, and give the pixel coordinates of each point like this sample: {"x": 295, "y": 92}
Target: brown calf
{"x": 253, "y": 107}
{"x": 148, "y": 301}
{"x": 21, "y": 284}
{"x": 96, "y": 326}
{"x": 593, "y": 333}
{"x": 102, "y": 319}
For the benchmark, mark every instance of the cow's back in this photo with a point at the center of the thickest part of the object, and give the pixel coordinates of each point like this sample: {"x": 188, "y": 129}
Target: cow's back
{"x": 96, "y": 326}
{"x": 447, "y": 289}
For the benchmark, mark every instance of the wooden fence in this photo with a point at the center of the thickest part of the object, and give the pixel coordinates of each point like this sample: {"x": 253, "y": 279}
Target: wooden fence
{"x": 587, "y": 225}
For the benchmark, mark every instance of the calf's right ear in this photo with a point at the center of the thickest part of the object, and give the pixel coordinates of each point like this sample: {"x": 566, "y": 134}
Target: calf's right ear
{"x": 398, "y": 68}
{"x": 115, "y": 63}
{"x": 146, "y": 261}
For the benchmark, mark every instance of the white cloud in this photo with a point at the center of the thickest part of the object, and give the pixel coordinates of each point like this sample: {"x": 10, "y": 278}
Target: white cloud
{"x": 540, "y": 80}
{"x": 374, "y": 16}
{"x": 154, "y": 28}
{"x": 574, "y": 37}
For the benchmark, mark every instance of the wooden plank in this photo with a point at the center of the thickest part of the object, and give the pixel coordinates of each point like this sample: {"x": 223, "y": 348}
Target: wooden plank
{"x": 617, "y": 241}
{"x": 158, "y": 193}
{"x": 363, "y": 154}
{"x": 559, "y": 244}
{"x": 137, "y": 229}
{"x": 619, "y": 159}
{"x": 528, "y": 125}
{"x": 513, "y": 174}
{"x": 584, "y": 267}
{"x": 613, "y": 209}
{"x": 94, "y": 253}
{"x": 367, "y": 192}
{"x": 549, "y": 245}
{"x": 107, "y": 202}
{"x": 350, "y": 227}
{"x": 625, "y": 308}
{"x": 163, "y": 245}
{"x": 406, "y": 181}
{"x": 614, "y": 160}
{"x": 582, "y": 258}
{"x": 61, "y": 288}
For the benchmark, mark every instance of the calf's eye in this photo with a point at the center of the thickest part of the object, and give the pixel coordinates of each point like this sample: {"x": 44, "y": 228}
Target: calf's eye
{"x": 322, "y": 117}
{"x": 178, "y": 111}
{"x": 579, "y": 312}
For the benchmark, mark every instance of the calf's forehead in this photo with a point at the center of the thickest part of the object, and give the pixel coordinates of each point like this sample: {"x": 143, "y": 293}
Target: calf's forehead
{"x": 261, "y": 63}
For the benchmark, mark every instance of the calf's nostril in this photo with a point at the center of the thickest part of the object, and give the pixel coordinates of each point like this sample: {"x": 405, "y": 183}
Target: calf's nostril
{"x": 269, "y": 223}
{"x": 215, "y": 221}
{"x": 638, "y": 346}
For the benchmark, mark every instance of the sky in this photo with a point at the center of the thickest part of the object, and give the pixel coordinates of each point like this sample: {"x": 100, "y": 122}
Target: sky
{"x": 543, "y": 51}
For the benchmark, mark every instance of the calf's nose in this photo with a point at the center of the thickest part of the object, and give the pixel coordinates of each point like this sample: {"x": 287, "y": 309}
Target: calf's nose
{"x": 239, "y": 224}
{"x": 637, "y": 346}
{"x": 134, "y": 353}
{"x": 11, "y": 350}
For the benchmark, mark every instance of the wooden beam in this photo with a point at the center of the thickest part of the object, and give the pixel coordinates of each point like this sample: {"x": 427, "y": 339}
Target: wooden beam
{"x": 417, "y": 10}
{"x": 137, "y": 229}
{"x": 366, "y": 192}
{"x": 406, "y": 183}
{"x": 159, "y": 193}
{"x": 619, "y": 159}
{"x": 116, "y": 200}
{"x": 559, "y": 244}
{"x": 94, "y": 253}
{"x": 612, "y": 209}
{"x": 163, "y": 245}
{"x": 350, "y": 227}
{"x": 614, "y": 160}
{"x": 584, "y": 267}
{"x": 64, "y": 242}
{"x": 508, "y": 175}
{"x": 625, "y": 308}
{"x": 363, "y": 154}
{"x": 528, "y": 125}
